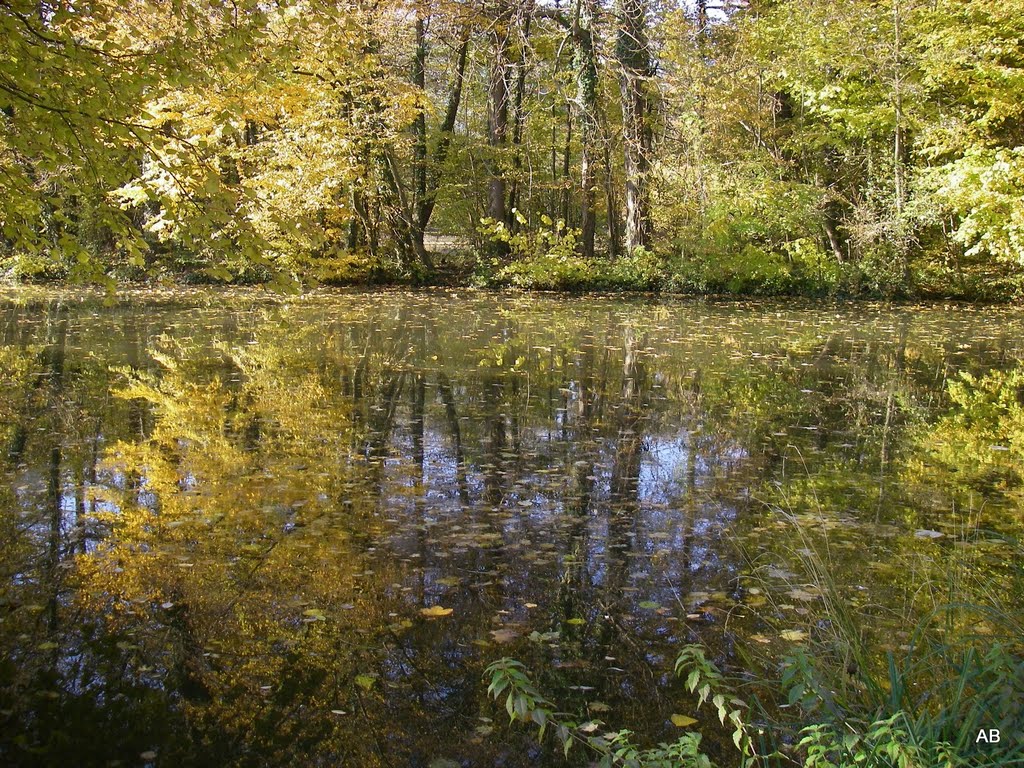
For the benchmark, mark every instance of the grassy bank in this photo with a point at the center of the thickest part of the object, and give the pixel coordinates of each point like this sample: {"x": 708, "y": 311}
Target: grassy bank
{"x": 563, "y": 270}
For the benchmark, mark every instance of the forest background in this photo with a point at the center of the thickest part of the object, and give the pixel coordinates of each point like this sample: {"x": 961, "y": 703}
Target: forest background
{"x": 863, "y": 147}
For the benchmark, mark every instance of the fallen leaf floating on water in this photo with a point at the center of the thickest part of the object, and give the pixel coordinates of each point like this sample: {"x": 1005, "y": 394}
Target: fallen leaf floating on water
{"x": 683, "y": 720}
{"x": 504, "y": 635}
{"x": 435, "y": 611}
{"x": 801, "y": 594}
{"x": 365, "y": 681}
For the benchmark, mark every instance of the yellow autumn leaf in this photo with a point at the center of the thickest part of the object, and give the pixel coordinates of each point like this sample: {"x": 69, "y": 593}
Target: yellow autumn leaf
{"x": 683, "y": 720}
{"x": 435, "y": 611}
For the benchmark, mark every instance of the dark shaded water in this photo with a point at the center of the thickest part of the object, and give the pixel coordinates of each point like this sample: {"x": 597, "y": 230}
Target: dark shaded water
{"x": 224, "y": 515}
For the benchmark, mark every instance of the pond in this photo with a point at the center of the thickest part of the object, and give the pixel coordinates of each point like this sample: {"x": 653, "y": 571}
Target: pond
{"x": 239, "y": 528}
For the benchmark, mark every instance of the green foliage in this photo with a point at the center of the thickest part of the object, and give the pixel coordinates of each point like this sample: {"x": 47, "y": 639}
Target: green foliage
{"x": 927, "y": 712}
{"x": 893, "y": 156}
{"x": 797, "y": 267}
{"x": 77, "y": 87}
{"x": 886, "y": 743}
{"x": 857, "y": 702}
{"x": 705, "y": 680}
{"x": 543, "y": 258}
{"x": 972, "y": 63}
{"x": 525, "y": 703}
{"x": 937, "y": 728}
{"x": 985, "y": 188}
{"x": 546, "y": 258}
{"x": 641, "y": 270}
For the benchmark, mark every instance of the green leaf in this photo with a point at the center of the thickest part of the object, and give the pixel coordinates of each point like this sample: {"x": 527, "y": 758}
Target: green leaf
{"x": 366, "y": 681}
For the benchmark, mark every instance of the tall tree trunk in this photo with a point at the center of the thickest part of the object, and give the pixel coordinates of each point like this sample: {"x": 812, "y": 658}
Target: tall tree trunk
{"x": 614, "y": 226}
{"x": 634, "y": 59}
{"x": 585, "y": 65}
{"x": 703, "y": 26}
{"x": 831, "y": 221}
{"x": 419, "y": 146}
{"x": 497, "y": 111}
{"x": 566, "y": 163}
{"x": 518, "y": 114}
{"x": 403, "y": 217}
{"x": 447, "y": 129}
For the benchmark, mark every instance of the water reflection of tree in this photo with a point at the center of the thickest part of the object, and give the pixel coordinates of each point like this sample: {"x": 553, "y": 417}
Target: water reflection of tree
{"x": 56, "y": 407}
{"x": 295, "y": 491}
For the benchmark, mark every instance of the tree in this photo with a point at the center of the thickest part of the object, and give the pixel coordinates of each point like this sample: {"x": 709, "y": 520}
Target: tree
{"x": 74, "y": 83}
{"x": 584, "y": 25}
{"x": 634, "y": 60}
{"x": 972, "y": 66}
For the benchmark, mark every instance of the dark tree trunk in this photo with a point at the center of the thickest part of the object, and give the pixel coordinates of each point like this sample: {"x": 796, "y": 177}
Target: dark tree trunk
{"x": 614, "y": 226}
{"x": 518, "y": 115}
{"x": 447, "y": 129}
{"x": 633, "y": 54}
{"x": 585, "y": 65}
{"x": 410, "y": 249}
{"x": 566, "y": 163}
{"x": 832, "y": 220}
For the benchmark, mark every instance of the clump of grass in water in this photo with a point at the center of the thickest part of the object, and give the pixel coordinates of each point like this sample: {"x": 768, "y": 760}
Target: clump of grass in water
{"x": 922, "y": 710}
{"x": 925, "y": 708}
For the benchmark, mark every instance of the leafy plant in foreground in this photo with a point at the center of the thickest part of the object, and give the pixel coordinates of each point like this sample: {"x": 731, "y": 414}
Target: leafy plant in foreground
{"x": 525, "y": 702}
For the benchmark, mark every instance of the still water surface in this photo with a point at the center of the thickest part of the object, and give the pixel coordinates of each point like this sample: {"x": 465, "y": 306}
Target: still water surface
{"x": 226, "y": 516}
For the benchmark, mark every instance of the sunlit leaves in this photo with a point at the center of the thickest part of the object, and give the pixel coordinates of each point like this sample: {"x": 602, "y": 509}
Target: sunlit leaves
{"x": 75, "y": 128}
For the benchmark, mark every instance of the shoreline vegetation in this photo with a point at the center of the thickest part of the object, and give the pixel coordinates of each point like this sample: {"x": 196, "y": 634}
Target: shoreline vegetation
{"x": 151, "y": 291}
{"x": 566, "y": 277}
{"x": 740, "y": 147}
